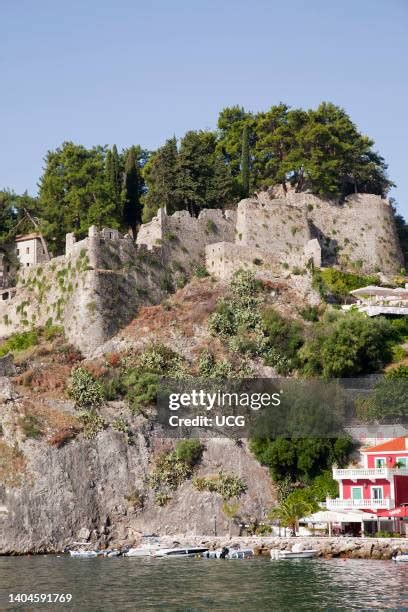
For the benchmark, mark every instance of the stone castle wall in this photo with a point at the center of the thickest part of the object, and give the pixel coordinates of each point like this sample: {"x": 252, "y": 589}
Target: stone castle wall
{"x": 183, "y": 238}
{"x": 98, "y": 285}
{"x": 289, "y": 231}
{"x": 92, "y": 291}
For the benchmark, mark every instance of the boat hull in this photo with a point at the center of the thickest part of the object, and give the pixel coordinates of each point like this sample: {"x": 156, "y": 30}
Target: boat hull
{"x": 288, "y": 554}
{"x": 179, "y": 552}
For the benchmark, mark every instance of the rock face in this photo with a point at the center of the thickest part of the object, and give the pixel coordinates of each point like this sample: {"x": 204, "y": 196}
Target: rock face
{"x": 82, "y": 491}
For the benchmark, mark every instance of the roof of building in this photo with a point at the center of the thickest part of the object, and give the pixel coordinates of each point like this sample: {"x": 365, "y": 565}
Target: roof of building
{"x": 371, "y": 290}
{"x": 397, "y": 444}
{"x": 22, "y": 237}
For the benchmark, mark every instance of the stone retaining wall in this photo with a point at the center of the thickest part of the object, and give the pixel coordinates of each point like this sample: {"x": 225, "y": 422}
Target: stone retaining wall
{"x": 348, "y": 547}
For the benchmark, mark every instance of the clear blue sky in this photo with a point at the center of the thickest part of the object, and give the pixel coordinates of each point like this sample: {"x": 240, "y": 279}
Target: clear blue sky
{"x": 126, "y": 71}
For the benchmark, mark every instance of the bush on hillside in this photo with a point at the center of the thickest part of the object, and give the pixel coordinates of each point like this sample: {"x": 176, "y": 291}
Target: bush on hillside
{"x": 347, "y": 344}
{"x": 84, "y": 389}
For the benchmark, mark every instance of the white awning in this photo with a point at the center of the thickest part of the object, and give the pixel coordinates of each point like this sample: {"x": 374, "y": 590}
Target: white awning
{"x": 332, "y": 516}
{"x": 380, "y": 291}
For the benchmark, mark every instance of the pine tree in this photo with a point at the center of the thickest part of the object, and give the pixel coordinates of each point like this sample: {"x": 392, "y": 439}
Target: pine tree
{"x": 245, "y": 162}
{"x": 132, "y": 210}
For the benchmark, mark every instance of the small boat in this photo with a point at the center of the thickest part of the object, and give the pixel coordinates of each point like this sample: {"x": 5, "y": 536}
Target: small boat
{"x": 149, "y": 546}
{"x": 83, "y": 553}
{"x": 225, "y": 553}
{"x": 297, "y": 552}
{"x": 288, "y": 554}
{"x": 112, "y": 553}
{"x": 241, "y": 553}
{"x": 401, "y": 557}
{"x": 188, "y": 551}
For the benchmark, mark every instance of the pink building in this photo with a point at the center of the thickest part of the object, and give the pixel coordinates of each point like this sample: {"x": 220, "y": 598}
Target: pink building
{"x": 379, "y": 485}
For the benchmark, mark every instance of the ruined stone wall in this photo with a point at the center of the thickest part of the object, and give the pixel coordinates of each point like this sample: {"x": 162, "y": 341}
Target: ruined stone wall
{"x": 225, "y": 258}
{"x": 276, "y": 229}
{"x": 97, "y": 287}
{"x": 92, "y": 291}
{"x": 183, "y": 238}
{"x": 358, "y": 234}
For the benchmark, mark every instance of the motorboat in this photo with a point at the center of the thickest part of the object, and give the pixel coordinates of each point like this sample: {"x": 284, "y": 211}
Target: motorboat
{"x": 149, "y": 546}
{"x": 297, "y": 552}
{"x": 112, "y": 553}
{"x": 401, "y": 557}
{"x": 226, "y": 553}
{"x": 241, "y": 553}
{"x": 188, "y": 551}
{"x": 83, "y": 553}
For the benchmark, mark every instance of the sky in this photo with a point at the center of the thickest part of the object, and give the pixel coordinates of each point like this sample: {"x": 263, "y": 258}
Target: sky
{"x": 129, "y": 72}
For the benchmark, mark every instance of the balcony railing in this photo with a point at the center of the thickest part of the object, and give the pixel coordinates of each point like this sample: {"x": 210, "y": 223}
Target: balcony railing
{"x": 373, "y": 504}
{"x": 372, "y": 473}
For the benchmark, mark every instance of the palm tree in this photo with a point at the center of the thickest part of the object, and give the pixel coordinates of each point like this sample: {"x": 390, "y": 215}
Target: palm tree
{"x": 290, "y": 511}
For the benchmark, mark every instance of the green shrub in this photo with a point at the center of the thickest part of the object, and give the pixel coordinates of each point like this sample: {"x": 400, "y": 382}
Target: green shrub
{"x": 338, "y": 283}
{"x": 84, "y": 389}
{"x": 211, "y": 226}
{"x": 226, "y": 485}
{"x": 169, "y": 472}
{"x": 120, "y": 424}
{"x": 189, "y": 451}
{"x": 300, "y": 459}
{"x": 285, "y": 336}
{"x": 162, "y": 499}
{"x": 347, "y": 344}
{"x": 209, "y": 367}
{"x": 160, "y": 359}
{"x": 18, "y": 342}
{"x": 141, "y": 389}
{"x": 170, "y": 236}
{"x": 173, "y": 468}
{"x": 92, "y": 423}
{"x": 31, "y": 426}
{"x": 309, "y": 313}
{"x": 241, "y": 311}
{"x": 200, "y": 271}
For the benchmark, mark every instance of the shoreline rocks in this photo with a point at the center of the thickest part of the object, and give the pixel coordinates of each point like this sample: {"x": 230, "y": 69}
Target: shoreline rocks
{"x": 328, "y": 547}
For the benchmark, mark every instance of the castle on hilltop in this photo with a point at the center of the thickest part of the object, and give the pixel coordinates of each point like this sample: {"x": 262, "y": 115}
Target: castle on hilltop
{"x": 97, "y": 286}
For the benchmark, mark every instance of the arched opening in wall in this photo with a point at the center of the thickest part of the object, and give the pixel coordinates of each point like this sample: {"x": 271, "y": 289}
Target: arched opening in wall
{"x": 5, "y": 295}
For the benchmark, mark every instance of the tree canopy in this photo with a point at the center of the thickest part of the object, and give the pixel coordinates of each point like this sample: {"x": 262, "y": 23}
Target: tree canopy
{"x": 320, "y": 149}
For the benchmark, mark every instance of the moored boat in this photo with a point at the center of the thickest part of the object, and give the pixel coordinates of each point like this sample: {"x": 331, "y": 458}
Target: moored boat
{"x": 83, "y": 553}
{"x": 401, "y": 557}
{"x": 288, "y": 554}
{"x": 297, "y": 552}
{"x": 188, "y": 551}
{"x": 226, "y": 553}
{"x": 149, "y": 546}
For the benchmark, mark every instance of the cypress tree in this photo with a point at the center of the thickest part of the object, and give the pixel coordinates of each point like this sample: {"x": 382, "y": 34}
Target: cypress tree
{"x": 132, "y": 210}
{"x": 245, "y": 162}
{"x": 114, "y": 178}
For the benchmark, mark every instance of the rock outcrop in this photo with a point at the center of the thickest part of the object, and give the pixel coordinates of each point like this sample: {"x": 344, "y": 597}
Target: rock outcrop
{"x": 84, "y": 491}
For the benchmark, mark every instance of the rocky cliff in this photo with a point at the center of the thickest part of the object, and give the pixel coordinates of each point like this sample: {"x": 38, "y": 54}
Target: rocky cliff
{"x": 83, "y": 492}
